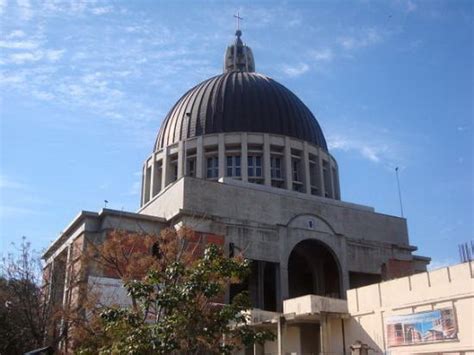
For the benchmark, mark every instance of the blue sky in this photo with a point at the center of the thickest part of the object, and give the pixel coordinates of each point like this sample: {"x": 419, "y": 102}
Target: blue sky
{"x": 84, "y": 87}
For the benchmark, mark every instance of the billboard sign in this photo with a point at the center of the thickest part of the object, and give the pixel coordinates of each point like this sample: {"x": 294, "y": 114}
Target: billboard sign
{"x": 420, "y": 328}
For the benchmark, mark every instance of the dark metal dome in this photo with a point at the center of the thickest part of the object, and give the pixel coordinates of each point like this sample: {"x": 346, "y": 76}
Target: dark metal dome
{"x": 239, "y": 101}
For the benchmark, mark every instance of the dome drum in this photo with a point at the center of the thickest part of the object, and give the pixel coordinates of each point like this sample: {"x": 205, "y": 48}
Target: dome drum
{"x": 261, "y": 158}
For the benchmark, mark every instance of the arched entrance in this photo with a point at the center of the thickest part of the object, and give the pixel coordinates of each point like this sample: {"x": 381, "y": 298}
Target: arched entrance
{"x": 313, "y": 269}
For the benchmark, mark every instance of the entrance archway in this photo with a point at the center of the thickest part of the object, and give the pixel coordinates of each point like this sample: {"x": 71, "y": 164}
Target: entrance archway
{"x": 313, "y": 269}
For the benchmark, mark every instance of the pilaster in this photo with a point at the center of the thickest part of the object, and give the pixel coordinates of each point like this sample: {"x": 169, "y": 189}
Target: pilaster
{"x": 244, "y": 157}
{"x": 199, "y": 158}
{"x": 221, "y": 155}
{"x": 267, "y": 172}
{"x": 288, "y": 168}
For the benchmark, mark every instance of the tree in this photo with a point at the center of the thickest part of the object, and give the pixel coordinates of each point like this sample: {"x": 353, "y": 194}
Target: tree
{"x": 24, "y": 312}
{"x": 176, "y": 297}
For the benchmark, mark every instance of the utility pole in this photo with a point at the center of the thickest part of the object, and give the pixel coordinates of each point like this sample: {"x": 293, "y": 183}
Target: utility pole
{"x": 399, "y": 191}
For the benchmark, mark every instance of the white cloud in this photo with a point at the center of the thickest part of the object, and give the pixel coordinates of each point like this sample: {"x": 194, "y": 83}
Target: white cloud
{"x": 295, "y": 70}
{"x": 322, "y": 55}
{"x": 26, "y": 12}
{"x": 365, "y": 38}
{"x": 101, "y": 10}
{"x": 411, "y": 6}
{"x": 19, "y": 44}
{"x": 3, "y": 5}
{"x": 7, "y": 183}
{"x": 53, "y": 55}
{"x": 15, "y": 211}
{"x": 16, "y": 34}
{"x": 370, "y": 150}
{"x": 11, "y": 79}
{"x": 24, "y": 57}
{"x": 42, "y": 95}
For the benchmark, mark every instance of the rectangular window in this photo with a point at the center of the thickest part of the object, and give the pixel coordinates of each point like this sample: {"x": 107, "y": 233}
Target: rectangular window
{"x": 174, "y": 171}
{"x": 254, "y": 166}
{"x": 275, "y": 167}
{"x": 233, "y": 165}
{"x": 191, "y": 168}
{"x": 314, "y": 177}
{"x": 295, "y": 169}
{"x": 212, "y": 167}
{"x": 326, "y": 179}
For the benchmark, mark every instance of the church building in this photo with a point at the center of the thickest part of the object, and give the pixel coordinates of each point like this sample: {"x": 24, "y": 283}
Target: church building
{"x": 242, "y": 160}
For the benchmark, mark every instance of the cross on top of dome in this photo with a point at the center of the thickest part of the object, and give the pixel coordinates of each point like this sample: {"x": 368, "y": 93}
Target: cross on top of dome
{"x": 238, "y": 56}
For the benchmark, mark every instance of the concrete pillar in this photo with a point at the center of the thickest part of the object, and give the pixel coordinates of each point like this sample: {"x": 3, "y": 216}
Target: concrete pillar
{"x": 258, "y": 349}
{"x": 321, "y": 174}
{"x": 67, "y": 276}
{"x": 153, "y": 173}
{"x": 199, "y": 158}
{"x": 164, "y": 169}
{"x": 324, "y": 332}
{"x": 143, "y": 184}
{"x": 181, "y": 160}
{"x": 283, "y": 237}
{"x": 345, "y": 283}
{"x": 280, "y": 335}
{"x": 260, "y": 284}
{"x": 221, "y": 155}
{"x": 305, "y": 158}
{"x": 267, "y": 172}
{"x": 243, "y": 157}
{"x": 288, "y": 167}
{"x": 284, "y": 288}
{"x": 331, "y": 180}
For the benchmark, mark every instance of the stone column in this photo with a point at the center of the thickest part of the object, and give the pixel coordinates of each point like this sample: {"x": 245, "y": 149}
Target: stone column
{"x": 221, "y": 155}
{"x": 143, "y": 183}
{"x": 267, "y": 172}
{"x": 280, "y": 334}
{"x": 243, "y": 157}
{"x": 164, "y": 169}
{"x": 260, "y": 284}
{"x": 199, "y": 158}
{"x": 283, "y": 237}
{"x": 288, "y": 167}
{"x": 306, "y": 172}
{"x": 321, "y": 173}
{"x": 324, "y": 332}
{"x": 331, "y": 180}
{"x": 153, "y": 173}
{"x": 181, "y": 159}
{"x": 67, "y": 275}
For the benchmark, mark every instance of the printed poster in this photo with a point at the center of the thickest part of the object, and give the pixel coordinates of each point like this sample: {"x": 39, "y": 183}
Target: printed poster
{"x": 420, "y": 328}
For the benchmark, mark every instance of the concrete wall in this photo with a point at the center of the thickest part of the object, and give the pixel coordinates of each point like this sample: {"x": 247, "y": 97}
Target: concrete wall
{"x": 370, "y": 306}
{"x": 273, "y": 206}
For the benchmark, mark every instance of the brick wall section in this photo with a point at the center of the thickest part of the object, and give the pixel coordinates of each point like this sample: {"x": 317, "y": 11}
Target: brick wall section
{"x": 198, "y": 242}
{"x": 395, "y": 268}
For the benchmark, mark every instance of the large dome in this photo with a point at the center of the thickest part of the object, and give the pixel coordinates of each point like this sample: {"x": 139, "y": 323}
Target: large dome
{"x": 239, "y": 101}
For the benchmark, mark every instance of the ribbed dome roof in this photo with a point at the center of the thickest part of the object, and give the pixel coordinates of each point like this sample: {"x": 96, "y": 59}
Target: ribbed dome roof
{"x": 239, "y": 101}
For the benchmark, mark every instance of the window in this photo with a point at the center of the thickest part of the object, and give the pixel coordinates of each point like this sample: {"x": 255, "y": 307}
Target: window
{"x": 326, "y": 179}
{"x": 174, "y": 171}
{"x": 295, "y": 169}
{"x": 233, "y": 165}
{"x": 275, "y": 167}
{"x": 212, "y": 167}
{"x": 254, "y": 166}
{"x": 191, "y": 168}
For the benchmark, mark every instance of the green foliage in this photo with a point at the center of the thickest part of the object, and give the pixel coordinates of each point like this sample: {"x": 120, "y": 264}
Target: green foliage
{"x": 176, "y": 310}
